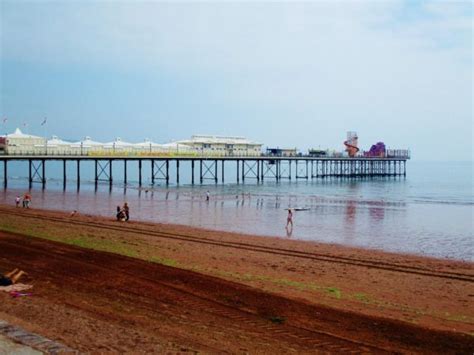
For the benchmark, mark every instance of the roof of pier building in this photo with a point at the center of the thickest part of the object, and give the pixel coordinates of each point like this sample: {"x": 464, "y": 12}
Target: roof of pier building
{"x": 118, "y": 143}
{"x": 56, "y": 141}
{"x": 87, "y": 142}
{"x": 176, "y": 145}
{"x": 210, "y": 139}
{"x": 147, "y": 144}
{"x": 18, "y": 134}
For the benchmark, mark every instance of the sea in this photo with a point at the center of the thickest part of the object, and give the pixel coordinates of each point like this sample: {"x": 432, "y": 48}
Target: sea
{"x": 429, "y": 212}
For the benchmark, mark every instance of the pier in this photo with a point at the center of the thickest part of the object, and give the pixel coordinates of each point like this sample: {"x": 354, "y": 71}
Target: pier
{"x": 212, "y": 169}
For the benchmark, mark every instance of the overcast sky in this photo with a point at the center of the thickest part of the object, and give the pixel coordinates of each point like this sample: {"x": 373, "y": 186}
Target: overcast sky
{"x": 284, "y": 74}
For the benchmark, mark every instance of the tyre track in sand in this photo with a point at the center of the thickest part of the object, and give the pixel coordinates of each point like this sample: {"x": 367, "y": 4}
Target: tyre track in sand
{"x": 255, "y": 325}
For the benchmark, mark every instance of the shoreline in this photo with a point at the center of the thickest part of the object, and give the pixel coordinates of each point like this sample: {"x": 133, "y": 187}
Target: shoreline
{"x": 427, "y": 230}
{"x": 199, "y": 229}
{"x": 325, "y": 247}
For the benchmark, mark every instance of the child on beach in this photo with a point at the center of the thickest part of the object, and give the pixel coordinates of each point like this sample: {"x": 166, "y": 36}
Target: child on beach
{"x": 17, "y": 201}
{"x": 120, "y": 214}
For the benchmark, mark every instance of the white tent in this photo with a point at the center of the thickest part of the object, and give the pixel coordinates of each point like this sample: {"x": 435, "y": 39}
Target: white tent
{"x": 147, "y": 144}
{"x": 19, "y": 134}
{"x": 87, "y": 142}
{"x": 177, "y": 147}
{"x": 57, "y": 142}
{"x": 118, "y": 144}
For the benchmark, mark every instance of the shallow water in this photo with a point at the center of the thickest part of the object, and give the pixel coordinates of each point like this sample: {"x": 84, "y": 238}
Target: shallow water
{"x": 428, "y": 213}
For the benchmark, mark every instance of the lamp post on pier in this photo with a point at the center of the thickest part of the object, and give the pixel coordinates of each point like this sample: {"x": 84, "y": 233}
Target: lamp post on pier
{"x": 45, "y": 136}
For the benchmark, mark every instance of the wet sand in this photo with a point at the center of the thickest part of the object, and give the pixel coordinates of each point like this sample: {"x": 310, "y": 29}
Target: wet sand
{"x": 424, "y": 229}
{"x": 383, "y": 300}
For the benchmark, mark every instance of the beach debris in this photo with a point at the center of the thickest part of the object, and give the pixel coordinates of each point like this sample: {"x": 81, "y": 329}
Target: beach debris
{"x": 16, "y": 294}
{"x": 15, "y": 288}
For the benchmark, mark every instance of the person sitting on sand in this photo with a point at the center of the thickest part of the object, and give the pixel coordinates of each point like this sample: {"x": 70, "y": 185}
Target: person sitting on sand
{"x": 11, "y": 277}
{"x": 120, "y": 214}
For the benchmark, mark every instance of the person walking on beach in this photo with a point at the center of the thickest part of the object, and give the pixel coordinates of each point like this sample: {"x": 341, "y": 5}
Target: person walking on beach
{"x": 207, "y": 196}
{"x": 126, "y": 210}
{"x": 289, "y": 218}
{"x": 17, "y": 201}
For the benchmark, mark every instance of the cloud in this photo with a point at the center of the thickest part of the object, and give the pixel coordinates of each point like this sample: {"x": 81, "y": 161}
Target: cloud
{"x": 345, "y": 65}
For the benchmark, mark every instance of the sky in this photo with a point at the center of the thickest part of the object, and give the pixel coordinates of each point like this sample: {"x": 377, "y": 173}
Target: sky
{"x": 286, "y": 74}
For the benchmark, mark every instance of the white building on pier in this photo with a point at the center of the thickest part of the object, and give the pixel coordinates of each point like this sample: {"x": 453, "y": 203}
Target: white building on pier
{"x": 223, "y": 146}
{"x": 19, "y": 143}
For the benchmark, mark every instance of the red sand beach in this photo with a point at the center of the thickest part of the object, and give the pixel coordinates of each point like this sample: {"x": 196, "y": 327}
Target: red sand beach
{"x": 102, "y": 285}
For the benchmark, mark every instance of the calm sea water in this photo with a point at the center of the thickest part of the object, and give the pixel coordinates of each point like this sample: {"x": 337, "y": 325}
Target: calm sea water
{"x": 430, "y": 212}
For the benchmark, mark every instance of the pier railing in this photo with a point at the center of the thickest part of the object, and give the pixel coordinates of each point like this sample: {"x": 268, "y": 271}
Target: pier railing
{"x": 398, "y": 154}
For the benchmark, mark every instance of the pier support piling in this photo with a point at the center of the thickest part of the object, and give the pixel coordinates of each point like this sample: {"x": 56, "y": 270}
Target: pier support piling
{"x": 110, "y": 172}
{"x": 222, "y": 177}
{"x": 30, "y": 178}
{"x": 78, "y": 172}
{"x": 215, "y": 171}
{"x": 125, "y": 177}
{"x": 177, "y": 172}
{"x": 153, "y": 171}
{"x": 200, "y": 171}
{"x": 238, "y": 176}
{"x": 5, "y": 174}
{"x": 43, "y": 173}
{"x": 140, "y": 172}
{"x": 64, "y": 174}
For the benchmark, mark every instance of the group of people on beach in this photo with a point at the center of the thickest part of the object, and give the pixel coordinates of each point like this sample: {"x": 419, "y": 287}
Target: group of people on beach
{"x": 26, "y": 201}
{"x": 123, "y": 213}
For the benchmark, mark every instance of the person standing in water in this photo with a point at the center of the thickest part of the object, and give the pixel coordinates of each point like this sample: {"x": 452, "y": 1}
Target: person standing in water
{"x": 289, "y": 218}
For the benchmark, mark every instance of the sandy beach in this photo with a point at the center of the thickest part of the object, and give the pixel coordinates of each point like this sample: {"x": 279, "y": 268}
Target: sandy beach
{"x": 103, "y": 285}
